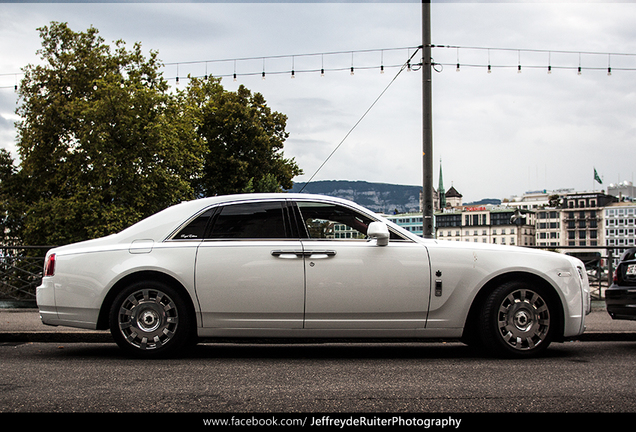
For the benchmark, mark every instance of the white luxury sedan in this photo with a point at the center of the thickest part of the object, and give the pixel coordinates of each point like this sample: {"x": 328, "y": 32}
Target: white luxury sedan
{"x": 306, "y": 266}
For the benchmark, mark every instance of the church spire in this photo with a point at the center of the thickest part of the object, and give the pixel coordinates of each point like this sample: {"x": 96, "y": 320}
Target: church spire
{"x": 440, "y": 189}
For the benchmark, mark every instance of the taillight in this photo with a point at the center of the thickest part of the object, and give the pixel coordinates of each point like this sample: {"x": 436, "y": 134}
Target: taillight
{"x": 615, "y": 278}
{"x": 49, "y": 265}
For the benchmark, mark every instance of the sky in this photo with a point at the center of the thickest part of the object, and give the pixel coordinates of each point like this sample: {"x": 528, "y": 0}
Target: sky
{"x": 495, "y": 135}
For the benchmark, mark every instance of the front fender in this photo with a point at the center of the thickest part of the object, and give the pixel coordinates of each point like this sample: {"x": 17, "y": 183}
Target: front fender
{"x": 464, "y": 274}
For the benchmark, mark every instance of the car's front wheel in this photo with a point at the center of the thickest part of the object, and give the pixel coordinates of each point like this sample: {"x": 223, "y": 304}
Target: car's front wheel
{"x": 517, "y": 320}
{"x": 150, "y": 319}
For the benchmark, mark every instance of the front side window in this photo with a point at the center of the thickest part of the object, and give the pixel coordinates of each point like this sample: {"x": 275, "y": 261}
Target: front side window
{"x": 334, "y": 222}
{"x": 331, "y": 221}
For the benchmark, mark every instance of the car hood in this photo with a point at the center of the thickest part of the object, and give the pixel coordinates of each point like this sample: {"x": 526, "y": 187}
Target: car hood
{"x": 503, "y": 249}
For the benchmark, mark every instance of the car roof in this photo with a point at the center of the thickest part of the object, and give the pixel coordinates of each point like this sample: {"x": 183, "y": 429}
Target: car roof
{"x": 162, "y": 224}
{"x": 159, "y": 226}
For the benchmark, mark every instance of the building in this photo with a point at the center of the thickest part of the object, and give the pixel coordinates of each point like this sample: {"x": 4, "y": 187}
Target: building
{"x": 443, "y": 198}
{"x": 582, "y": 218}
{"x": 448, "y": 223}
{"x": 453, "y": 198}
{"x": 624, "y": 191}
{"x": 545, "y": 218}
{"x": 533, "y": 200}
{"x": 487, "y": 224}
{"x": 619, "y": 228}
{"x": 548, "y": 227}
{"x": 412, "y": 222}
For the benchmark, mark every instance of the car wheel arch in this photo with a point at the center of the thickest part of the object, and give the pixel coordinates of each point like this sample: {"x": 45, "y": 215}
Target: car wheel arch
{"x": 470, "y": 326}
{"x": 102, "y": 322}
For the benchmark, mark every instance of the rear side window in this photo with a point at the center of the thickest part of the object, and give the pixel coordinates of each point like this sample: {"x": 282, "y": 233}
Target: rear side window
{"x": 258, "y": 220}
{"x": 195, "y": 229}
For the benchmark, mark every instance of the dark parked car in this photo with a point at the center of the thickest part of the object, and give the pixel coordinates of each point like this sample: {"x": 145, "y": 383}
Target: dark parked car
{"x": 620, "y": 298}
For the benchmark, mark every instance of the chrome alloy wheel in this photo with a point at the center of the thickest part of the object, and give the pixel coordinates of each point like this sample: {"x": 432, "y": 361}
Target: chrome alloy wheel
{"x": 148, "y": 319}
{"x": 523, "y": 319}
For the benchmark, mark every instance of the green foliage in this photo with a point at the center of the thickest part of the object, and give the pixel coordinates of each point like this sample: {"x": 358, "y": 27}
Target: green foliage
{"x": 103, "y": 142}
{"x": 11, "y": 198}
{"x": 267, "y": 184}
{"x": 243, "y": 139}
{"x": 99, "y": 144}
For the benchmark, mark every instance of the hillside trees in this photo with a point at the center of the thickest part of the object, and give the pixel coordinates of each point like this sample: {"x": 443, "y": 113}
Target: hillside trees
{"x": 103, "y": 142}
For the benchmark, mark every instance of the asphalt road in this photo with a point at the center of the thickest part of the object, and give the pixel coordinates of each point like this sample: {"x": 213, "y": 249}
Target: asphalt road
{"x": 55, "y": 371}
{"x": 62, "y": 370}
{"x": 573, "y": 377}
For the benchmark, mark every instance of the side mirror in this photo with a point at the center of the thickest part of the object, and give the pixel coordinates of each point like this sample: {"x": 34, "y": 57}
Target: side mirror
{"x": 379, "y": 232}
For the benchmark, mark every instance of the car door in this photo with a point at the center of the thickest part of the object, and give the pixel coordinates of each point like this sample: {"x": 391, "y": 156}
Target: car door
{"x": 353, "y": 283}
{"x": 249, "y": 272}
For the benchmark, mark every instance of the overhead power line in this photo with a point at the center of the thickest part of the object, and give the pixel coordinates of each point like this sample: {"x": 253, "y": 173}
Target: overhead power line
{"x": 321, "y": 62}
{"x": 370, "y": 59}
{"x": 522, "y": 62}
{"x": 549, "y": 60}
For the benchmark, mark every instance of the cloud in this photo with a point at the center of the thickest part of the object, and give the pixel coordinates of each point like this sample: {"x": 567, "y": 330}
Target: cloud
{"x": 498, "y": 134}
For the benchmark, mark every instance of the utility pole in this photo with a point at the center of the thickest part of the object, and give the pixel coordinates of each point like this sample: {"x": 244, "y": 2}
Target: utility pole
{"x": 427, "y": 144}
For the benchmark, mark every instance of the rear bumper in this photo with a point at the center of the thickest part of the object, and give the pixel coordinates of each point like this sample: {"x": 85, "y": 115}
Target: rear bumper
{"x": 45, "y": 298}
{"x": 621, "y": 302}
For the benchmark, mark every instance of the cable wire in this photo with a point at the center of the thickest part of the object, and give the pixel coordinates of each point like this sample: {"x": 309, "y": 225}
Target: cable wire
{"x": 404, "y": 66}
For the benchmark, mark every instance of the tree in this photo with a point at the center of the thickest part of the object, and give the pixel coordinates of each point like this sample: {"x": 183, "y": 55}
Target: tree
{"x": 101, "y": 140}
{"x": 243, "y": 140}
{"x": 11, "y": 199}
{"x": 554, "y": 200}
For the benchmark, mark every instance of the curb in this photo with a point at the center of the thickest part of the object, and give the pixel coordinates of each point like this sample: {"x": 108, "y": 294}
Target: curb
{"x": 606, "y": 337}
{"x": 105, "y": 337}
{"x": 22, "y": 325}
{"x": 53, "y": 337}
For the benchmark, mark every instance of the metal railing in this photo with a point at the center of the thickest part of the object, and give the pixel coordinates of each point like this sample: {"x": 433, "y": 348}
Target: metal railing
{"x": 21, "y": 268}
{"x": 599, "y": 266}
{"x": 21, "y": 271}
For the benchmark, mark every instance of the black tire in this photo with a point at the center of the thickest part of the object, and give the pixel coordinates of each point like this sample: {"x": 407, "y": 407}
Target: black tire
{"x": 517, "y": 320}
{"x": 150, "y": 320}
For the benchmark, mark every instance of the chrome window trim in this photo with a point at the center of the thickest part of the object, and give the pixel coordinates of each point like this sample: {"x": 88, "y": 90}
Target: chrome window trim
{"x": 288, "y": 202}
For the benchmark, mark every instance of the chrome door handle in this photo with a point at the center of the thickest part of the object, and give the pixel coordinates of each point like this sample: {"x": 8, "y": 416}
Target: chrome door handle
{"x": 317, "y": 254}
{"x": 287, "y": 254}
{"x": 299, "y": 254}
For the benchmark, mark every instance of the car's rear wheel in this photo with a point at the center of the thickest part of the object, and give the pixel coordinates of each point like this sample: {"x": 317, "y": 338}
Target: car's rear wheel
{"x": 517, "y": 320}
{"x": 150, "y": 319}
